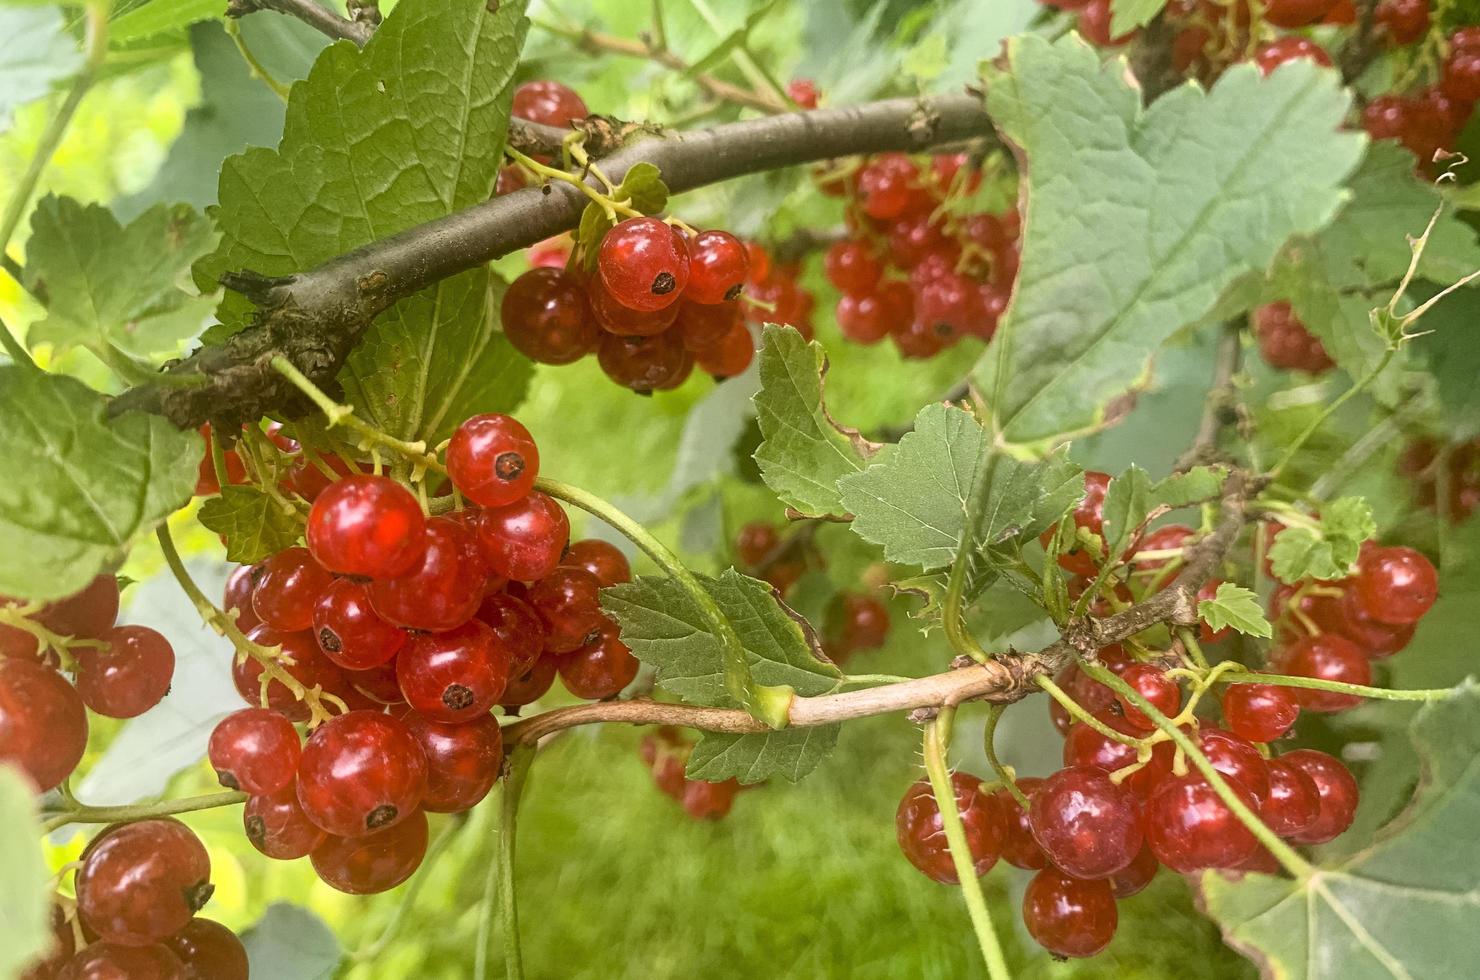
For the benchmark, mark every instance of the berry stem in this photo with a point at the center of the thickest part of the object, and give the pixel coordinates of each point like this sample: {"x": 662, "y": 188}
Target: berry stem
{"x": 937, "y": 740}
{"x": 768, "y": 704}
{"x": 1298, "y": 867}
{"x": 138, "y": 811}
{"x": 1079, "y": 714}
{"x": 255, "y": 68}
{"x": 607, "y": 204}
{"x": 1330, "y": 410}
{"x": 1188, "y": 636}
{"x": 989, "y": 745}
{"x": 1246, "y": 676}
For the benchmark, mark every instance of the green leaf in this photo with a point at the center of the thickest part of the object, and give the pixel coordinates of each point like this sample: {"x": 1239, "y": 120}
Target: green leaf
{"x": 1452, "y": 355}
{"x": 89, "y": 484}
{"x": 25, "y": 893}
{"x": 159, "y": 16}
{"x": 1404, "y": 907}
{"x": 790, "y": 753}
{"x": 1140, "y": 217}
{"x": 409, "y": 129}
{"x": 1235, "y": 606}
{"x": 1126, "y": 15}
{"x": 663, "y": 627}
{"x": 35, "y": 53}
{"x": 1127, "y": 504}
{"x": 109, "y": 284}
{"x": 804, "y": 451}
{"x": 292, "y": 943}
{"x": 253, "y": 524}
{"x": 644, "y": 187}
{"x": 1328, "y": 551}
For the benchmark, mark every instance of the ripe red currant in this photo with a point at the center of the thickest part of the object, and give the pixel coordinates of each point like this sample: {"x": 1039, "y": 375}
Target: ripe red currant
{"x": 1326, "y": 657}
{"x": 277, "y": 826}
{"x": 1134, "y": 877}
{"x": 863, "y": 319}
{"x": 1395, "y": 585}
{"x": 852, "y": 266}
{"x": 128, "y": 676}
{"x": 1019, "y": 849}
{"x": 523, "y": 541}
{"x": 700, "y": 326}
{"x": 360, "y": 772}
{"x": 111, "y": 961}
{"x": 1085, "y": 823}
{"x": 254, "y": 750}
{"x": 1237, "y": 759}
{"x": 443, "y": 590}
{"x": 463, "y": 761}
{"x": 756, "y": 542}
{"x": 209, "y": 951}
{"x": 238, "y": 598}
{"x": 1153, "y": 685}
{"x": 1377, "y": 639}
{"x": 1259, "y": 712}
{"x": 1285, "y": 343}
{"x": 43, "y": 726}
{"x": 1296, "y": 13}
{"x": 600, "y": 668}
{"x": 718, "y": 267}
{"x": 1291, "y": 47}
{"x": 569, "y": 603}
{"x": 802, "y": 91}
{"x": 1068, "y": 916}
{"x": 141, "y": 882}
{"x": 857, "y": 622}
{"x": 644, "y": 262}
{"x": 1294, "y": 802}
{"x": 922, "y": 835}
{"x": 374, "y": 862}
{"x": 349, "y": 631}
{"x": 1190, "y": 828}
{"x": 531, "y": 685}
{"x": 309, "y": 667}
{"x": 645, "y": 364}
{"x": 455, "y": 676}
{"x": 547, "y": 318}
{"x": 1405, "y": 20}
{"x": 366, "y": 525}
{"x": 709, "y": 801}
{"x": 492, "y": 460}
{"x": 1337, "y": 790}
{"x": 289, "y": 585}
{"x": 549, "y": 103}
{"x": 600, "y": 558}
{"x": 729, "y": 356}
{"x": 88, "y": 613}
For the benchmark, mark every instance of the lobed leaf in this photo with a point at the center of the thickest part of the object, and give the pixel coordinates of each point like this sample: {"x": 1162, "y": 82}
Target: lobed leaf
{"x": 1237, "y": 607}
{"x": 1327, "y": 552}
{"x": 251, "y": 522}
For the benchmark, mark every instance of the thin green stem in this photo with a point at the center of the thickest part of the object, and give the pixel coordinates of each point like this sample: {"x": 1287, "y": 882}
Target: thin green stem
{"x": 1188, "y": 636}
{"x": 989, "y": 745}
{"x": 1329, "y": 411}
{"x": 519, "y": 765}
{"x": 611, "y": 207}
{"x": 937, "y": 739}
{"x": 489, "y": 907}
{"x": 95, "y": 50}
{"x": 1298, "y": 867}
{"x": 139, "y": 811}
{"x": 1079, "y": 714}
{"x": 769, "y": 704}
{"x": 255, "y": 68}
{"x": 1243, "y": 675}
{"x": 438, "y": 846}
{"x": 13, "y": 347}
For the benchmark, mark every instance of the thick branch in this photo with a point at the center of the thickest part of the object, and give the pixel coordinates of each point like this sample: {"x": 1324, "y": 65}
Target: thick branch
{"x": 321, "y": 19}
{"x": 315, "y": 318}
{"x": 1008, "y": 678}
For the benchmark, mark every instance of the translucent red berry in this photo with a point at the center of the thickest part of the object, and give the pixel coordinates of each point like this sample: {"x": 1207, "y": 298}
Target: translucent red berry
{"x": 43, "y": 726}
{"x": 1259, "y": 712}
{"x": 1237, "y": 759}
{"x": 863, "y": 319}
{"x": 88, "y": 613}
{"x": 360, "y": 772}
{"x": 547, "y": 318}
{"x": 463, "y": 761}
{"x": 1326, "y": 657}
{"x": 569, "y": 603}
{"x": 1337, "y": 790}
{"x": 644, "y": 263}
{"x": 128, "y": 676}
{"x": 852, "y": 266}
{"x": 517, "y": 627}
{"x": 1395, "y": 585}
{"x": 375, "y": 862}
{"x": 1134, "y": 877}
{"x": 802, "y": 91}
{"x": 644, "y": 364}
{"x": 601, "y": 558}
{"x": 288, "y": 586}
{"x": 1189, "y": 827}
{"x": 530, "y": 686}
{"x": 141, "y": 882}
{"x": 277, "y": 826}
{"x": 442, "y": 590}
{"x": 1068, "y": 916}
{"x": 1406, "y": 21}
{"x": 549, "y": 103}
{"x": 523, "y": 541}
{"x": 350, "y": 632}
{"x": 729, "y": 356}
{"x": 112, "y": 961}
{"x": 1377, "y": 639}
{"x": 454, "y": 676}
{"x": 1291, "y": 47}
{"x": 1294, "y": 802}
{"x": 238, "y": 597}
{"x": 366, "y": 525}
{"x": 1153, "y": 685}
{"x": 1085, "y": 823}
{"x": 1285, "y": 343}
{"x": 492, "y": 460}
{"x": 921, "y": 830}
{"x": 600, "y": 668}
{"x": 209, "y": 951}
{"x": 254, "y": 750}
{"x": 718, "y": 267}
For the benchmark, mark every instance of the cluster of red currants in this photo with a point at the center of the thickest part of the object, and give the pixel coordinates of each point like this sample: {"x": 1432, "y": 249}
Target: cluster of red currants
{"x": 912, "y": 270}
{"x": 1285, "y": 343}
{"x": 1421, "y": 464}
{"x": 666, "y": 753}
{"x": 1430, "y": 119}
{"x": 421, "y": 626}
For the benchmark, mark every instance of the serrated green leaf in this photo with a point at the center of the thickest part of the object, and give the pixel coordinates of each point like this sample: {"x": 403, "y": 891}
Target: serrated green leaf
{"x": 663, "y": 627}
{"x": 790, "y": 753}
{"x": 253, "y": 524}
{"x": 644, "y": 187}
{"x": 1183, "y": 489}
{"x": 1328, "y": 551}
{"x": 86, "y": 485}
{"x": 35, "y": 53}
{"x": 409, "y": 129}
{"x": 1346, "y": 522}
{"x": 25, "y": 893}
{"x": 804, "y": 452}
{"x": 109, "y": 284}
{"x": 1127, "y": 504}
{"x": 1404, "y": 907}
{"x": 1126, "y": 15}
{"x": 1139, "y": 218}
{"x": 159, "y": 16}
{"x": 1235, "y": 606}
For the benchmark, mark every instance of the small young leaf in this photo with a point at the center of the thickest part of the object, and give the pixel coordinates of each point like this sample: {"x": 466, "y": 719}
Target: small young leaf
{"x": 1328, "y": 551}
{"x": 644, "y": 188}
{"x": 1235, "y": 606}
{"x": 790, "y": 753}
{"x": 25, "y": 895}
{"x": 253, "y": 524}
{"x": 1347, "y": 522}
{"x": 1127, "y": 503}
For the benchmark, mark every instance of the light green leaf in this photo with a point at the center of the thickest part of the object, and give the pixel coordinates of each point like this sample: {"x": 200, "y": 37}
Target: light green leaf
{"x": 1184, "y": 489}
{"x": 253, "y": 524}
{"x": 1328, "y": 551}
{"x": 1235, "y": 606}
{"x": 664, "y": 627}
{"x": 291, "y": 943}
{"x": 409, "y": 129}
{"x": 1126, "y": 15}
{"x": 804, "y": 451}
{"x": 161, "y": 15}
{"x": 1406, "y": 906}
{"x": 108, "y": 284}
{"x": 1139, "y": 217}
{"x": 35, "y": 53}
{"x": 25, "y": 893}
{"x": 90, "y": 484}
{"x": 1127, "y": 504}
{"x": 790, "y": 753}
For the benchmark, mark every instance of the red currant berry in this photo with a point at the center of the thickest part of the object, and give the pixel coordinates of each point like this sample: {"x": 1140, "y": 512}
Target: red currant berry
{"x": 1086, "y": 746}
{"x": 43, "y": 726}
{"x": 1089, "y": 693}
{"x": 531, "y": 685}
{"x": 238, "y": 598}
{"x": 1291, "y": 47}
{"x": 1285, "y": 343}
{"x": 852, "y": 266}
{"x": 1406, "y": 20}
{"x": 492, "y": 460}
{"x": 1068, "y": 916}
{"x": 644, "y": 364}
{"x": 1019, "y": 849}
{"x": 277, "y": 826}
{"x": 360, "y": 772}
{"x": 569, "y": 603}
{"x": 309, "y": 667}
{"x": 1325, "y": 657}
{"x": 517, "y": 627}
{"x": 1259, "y": 712}
{"x": 755, "y": 543}
{"x": 886, "y": 184}
{"x": 209, "y": 951}
{"x": 1134, "y": 877}
{"x": 1296, "y": 13}
{"x": 348, "y": 630}
{"x": 1153, "y": 685}
{"x": 1461, "y": 76}
{"x": 857, "y": 622}
{"x": 1088, "y": 514}
{"x": 1237, "y": 759}
{"x": 547, "y": 318}
{"x": 254, "y": 750}
{"x": 548, "y": 103}
{"x": 289, "y": 585}
{"x": 111, "y": 961}
{"x": 128, "y": 676}
{"x": 802, "y": 91}
{"x": 1085, "y": 823}
{"x": 207, "y": 483}
{"x": 718, "y": 267}
{"x": 463, "y": 761}
{"x": 88, "y": 613}
{"x": 709, "y": 801}
{"x": 1377, "y": 639}
{"x": 1294, "y": 802}
{"x": 374, "y": 862}
{"x": 523, "y": 541}
{"x": 701, "y": 327}
{"x": 729, "y": 356}
{"x": 644, "y": 262}
{"x": 443, "y": 590}
{"x": 1190, "y": 828}
{"x": 601, "y": 668}
{"x": 1395, "y": 585}
{"x": 141, "y": 882}
{"x": 1337, "y": 790}
{"x": 1094, "y": 25}
{"x": 1172, "y": 537}
{"x": 600, "y": 558}
{"x": 922, "y": 835}
{"x": 366, "y": 525}
{"x": 862, "y": 319}
{"x": 455, "y": 676}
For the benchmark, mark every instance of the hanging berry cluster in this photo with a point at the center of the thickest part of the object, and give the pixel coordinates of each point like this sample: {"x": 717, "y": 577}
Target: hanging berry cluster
{"x": 666, "y": 753}
{"x": 1285, "y": 343}
{"x": 1429, "y": 466}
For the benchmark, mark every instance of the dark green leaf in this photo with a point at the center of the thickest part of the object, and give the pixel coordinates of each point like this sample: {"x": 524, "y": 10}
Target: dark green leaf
{"x": 253, "y": 524}
{"x": 790, "y": 753}
{"x": 90, "y": 484}
{"x": 1127, "y": 503}
{"x": 1235, "y": 606}
{"x": 25, "y": 893}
